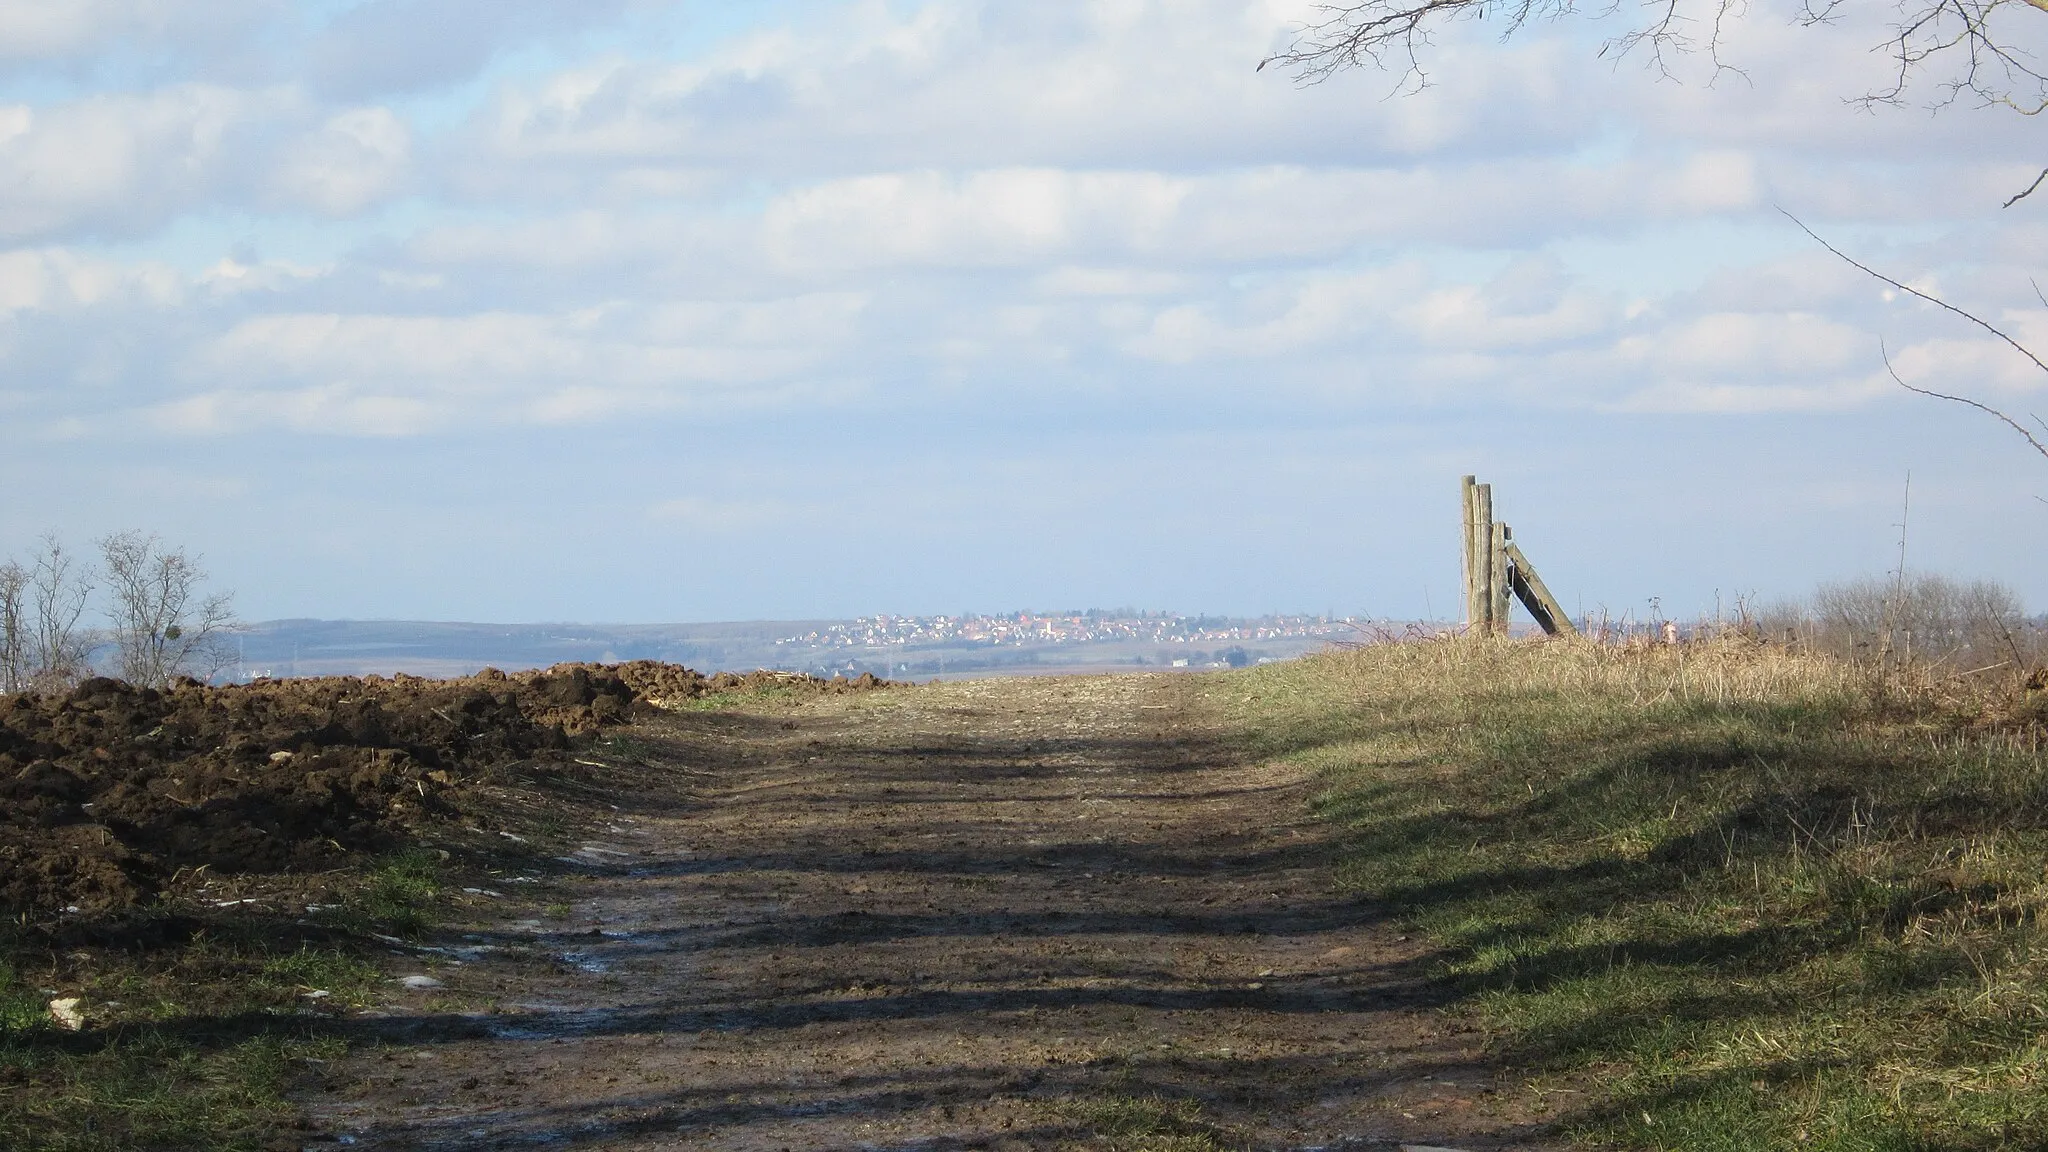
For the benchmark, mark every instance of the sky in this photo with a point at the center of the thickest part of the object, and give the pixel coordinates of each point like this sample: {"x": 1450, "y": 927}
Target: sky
{"x": 632, "y": 310}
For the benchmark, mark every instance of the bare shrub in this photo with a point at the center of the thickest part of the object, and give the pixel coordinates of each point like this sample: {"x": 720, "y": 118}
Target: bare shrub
{"x": 162, "y": 627}
{"x": 1931, "y": 623}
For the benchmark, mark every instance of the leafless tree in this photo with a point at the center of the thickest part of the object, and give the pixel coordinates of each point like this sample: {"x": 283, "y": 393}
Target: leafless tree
{"x": 163, "y": 627}
{"x": 42, "y": 647}
{"x": 13, "y": 627}
{"x": 1971, "y": 39}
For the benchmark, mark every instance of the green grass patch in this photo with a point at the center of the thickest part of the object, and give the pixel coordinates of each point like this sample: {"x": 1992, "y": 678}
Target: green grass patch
{"x": 1144, "y": 1124}
{"x": 1743, "y": 899}
{"x": 197, "y": 1021}
{"x": 192, "y": 1036}
{"x": 397, "y": 897}
{"x": 152, "y": 1090}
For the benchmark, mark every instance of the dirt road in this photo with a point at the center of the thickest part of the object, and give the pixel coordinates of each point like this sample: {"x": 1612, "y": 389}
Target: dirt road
{"x": 1012, "y": 914}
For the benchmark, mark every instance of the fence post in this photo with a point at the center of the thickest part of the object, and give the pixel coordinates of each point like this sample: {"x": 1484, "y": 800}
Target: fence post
{"x": 1496, "y": 572}
{"x": 1497, "y": 578}
{"x": 1468, "y": 513}
{"x": 1482, "y": 561}
{"x": 1528, "y": 586}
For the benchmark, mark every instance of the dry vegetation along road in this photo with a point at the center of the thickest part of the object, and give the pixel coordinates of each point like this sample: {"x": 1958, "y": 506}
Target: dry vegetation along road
{"x": 999, "y": 914}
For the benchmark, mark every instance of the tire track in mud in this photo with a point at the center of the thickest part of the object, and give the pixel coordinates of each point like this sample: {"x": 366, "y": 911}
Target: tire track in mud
{"x": 970, "y": 915}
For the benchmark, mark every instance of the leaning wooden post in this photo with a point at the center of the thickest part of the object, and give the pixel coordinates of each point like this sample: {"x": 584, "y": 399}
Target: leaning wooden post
{"x": 1497, "y": 578}
{"x": 1528, "y": 586}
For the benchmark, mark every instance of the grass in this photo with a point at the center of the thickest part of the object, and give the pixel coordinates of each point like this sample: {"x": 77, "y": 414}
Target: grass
{"x": 190, "y": 1047}
{"x": 740, "y": 699}
{"x": 396, "y": 895}
{"x": 1735, "y": 898}
{"x": 198, "y": 1021}
{"x": 1143, "y": 1124}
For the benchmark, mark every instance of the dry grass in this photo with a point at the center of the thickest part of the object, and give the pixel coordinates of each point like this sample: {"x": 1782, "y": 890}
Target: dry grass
{"x": 1751, "y": 898}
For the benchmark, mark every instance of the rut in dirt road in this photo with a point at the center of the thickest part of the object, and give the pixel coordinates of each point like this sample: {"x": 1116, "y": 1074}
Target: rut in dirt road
{"x": 999, "y": 914}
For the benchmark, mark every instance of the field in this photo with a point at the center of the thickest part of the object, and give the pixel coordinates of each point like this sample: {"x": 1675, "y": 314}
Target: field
{"x": 1710, "y": 896}
{"x": 1484, "y": 894}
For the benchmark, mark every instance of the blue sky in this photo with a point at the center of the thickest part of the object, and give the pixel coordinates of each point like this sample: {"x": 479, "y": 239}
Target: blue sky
{"x": 630, "y": 310}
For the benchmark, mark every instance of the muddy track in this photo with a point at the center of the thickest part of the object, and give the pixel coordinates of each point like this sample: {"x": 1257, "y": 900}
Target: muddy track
{"x": 976, "y": 915}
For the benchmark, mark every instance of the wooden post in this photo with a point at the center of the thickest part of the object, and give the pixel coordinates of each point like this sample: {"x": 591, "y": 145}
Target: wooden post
{"x": 1497, "y": 579}
{"x": 1536, "y": 598}
{"x": 1482, "y": 561}
{"x": 1496, "y": 572}
{"x": 1468, "y": 523}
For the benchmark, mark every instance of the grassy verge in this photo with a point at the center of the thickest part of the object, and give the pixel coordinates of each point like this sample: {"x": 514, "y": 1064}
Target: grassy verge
{"x": 1719, "y": 897}
{"x": 196, "y": 1020}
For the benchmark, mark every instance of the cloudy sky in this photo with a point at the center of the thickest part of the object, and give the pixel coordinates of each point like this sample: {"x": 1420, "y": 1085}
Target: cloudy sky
{"x": 629, "y": 310}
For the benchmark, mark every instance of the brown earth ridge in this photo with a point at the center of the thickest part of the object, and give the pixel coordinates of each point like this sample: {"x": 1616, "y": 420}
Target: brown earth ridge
{"x": 110, "y": 791}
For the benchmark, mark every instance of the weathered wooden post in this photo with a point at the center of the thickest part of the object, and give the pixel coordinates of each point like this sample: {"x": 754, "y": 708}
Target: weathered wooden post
{"x": 1536, "y": 598}
{"x": 1469, "y": 520}
{"x": 1497, "y": 579}
{"x": 1497, "y": 574}
{"x": 1480, "y": 615}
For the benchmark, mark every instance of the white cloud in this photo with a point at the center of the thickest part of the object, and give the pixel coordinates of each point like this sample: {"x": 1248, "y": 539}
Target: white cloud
{"x": 335, "y": 409}
{"x": 128, "y": 164}
{"x": 353, "y": 160}
{"x": 1070, "y": 280}
{"x": 940, "y": 192}
{"x": 56, "y": 279}
{"x": 404, "y": 375}
{"x": 932, "y": 233}
{"x": 39, "y": 30}
{"x": 1014, "y": 217}
{"x": 1727, "y": 344}
{"x": 116, "y": 163}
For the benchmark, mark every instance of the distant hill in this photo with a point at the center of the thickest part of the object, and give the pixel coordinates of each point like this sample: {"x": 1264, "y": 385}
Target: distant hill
{"x": 441, "y": 648}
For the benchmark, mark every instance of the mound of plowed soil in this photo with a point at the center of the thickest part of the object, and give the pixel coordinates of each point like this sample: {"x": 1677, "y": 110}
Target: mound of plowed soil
{"x": 108, "y": 792}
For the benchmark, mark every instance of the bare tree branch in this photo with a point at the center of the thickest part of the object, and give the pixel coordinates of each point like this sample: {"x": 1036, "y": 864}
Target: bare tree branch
{"x": 1915, "y": 292}
{"x": 2030, "y": 187}
{"x": 1943, "y": 304}
{"x": 1981, "y": 407}
{"x": 1989, "y": 68}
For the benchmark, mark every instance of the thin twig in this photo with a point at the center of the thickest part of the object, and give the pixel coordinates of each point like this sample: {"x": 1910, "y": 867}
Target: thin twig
{"x": 1934, "y": 300}
{"x": 2016, "y": 425}
{"x": 2029, "y": 191}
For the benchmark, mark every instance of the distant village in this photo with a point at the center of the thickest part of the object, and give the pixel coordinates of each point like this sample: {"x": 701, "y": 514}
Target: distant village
{"x": 1028, "y": 629}
{"x": 890, "y": 646}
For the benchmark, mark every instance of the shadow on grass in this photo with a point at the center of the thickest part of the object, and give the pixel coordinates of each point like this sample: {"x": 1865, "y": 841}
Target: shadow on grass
{"x": 1639, "y": 891}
